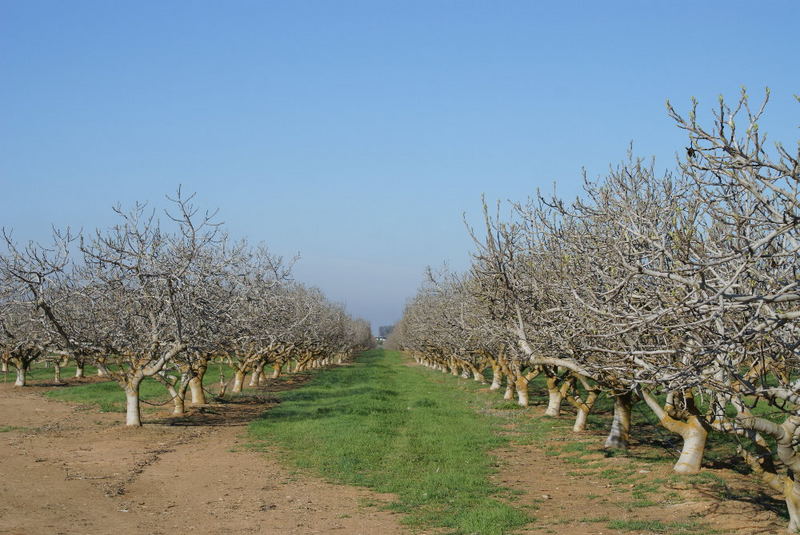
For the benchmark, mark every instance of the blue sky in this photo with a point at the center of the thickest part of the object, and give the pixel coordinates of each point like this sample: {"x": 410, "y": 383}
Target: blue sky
{"x": 358, "y": 133}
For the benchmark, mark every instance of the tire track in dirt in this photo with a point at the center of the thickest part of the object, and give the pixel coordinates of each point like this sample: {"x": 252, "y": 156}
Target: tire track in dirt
{"x": 68, "y": 469}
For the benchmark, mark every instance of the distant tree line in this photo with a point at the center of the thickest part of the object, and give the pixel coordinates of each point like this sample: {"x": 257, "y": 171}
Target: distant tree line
{"x": 385, "y": 330}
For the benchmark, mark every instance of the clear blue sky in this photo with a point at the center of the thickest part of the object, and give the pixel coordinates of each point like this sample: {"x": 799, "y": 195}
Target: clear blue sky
{"x": 358, "y": 132}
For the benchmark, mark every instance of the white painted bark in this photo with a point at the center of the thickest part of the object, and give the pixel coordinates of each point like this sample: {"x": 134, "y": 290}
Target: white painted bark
{"x": 21, "y": 376}
{"x": 619, "y": 436}
{"x": 57, "y": 373}
{"x": 196, "y": 388}
{"x": 238, "y": 381}
{"x": 256, "y": 376}
{"x": 4, "y": 367}
{"x": 693, "y": 434}
{"x": 497, "y": 377}
{"x": 510, "y": 390}
{"x": 133, "y": 416}
{"x": 580, "y": 420}
{"x": 555, "y": 398}
{"x": 791, "y": 494}
{"x": 79, "y": 370}
{"x": 694, "y": 444}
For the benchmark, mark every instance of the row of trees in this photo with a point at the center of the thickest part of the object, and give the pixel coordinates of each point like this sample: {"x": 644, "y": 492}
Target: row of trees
{"x": 161, "y": 297}
{"x": 679, "y": 290}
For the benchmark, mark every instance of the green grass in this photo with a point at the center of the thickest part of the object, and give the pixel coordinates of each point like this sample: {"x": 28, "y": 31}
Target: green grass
{"x": 390, "y": 427}
{"x": 656, "y": 526}
{"x": 9, "y": 428}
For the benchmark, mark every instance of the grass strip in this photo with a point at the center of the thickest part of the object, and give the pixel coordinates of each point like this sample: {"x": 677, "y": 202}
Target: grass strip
{"x": 387, "y": 426}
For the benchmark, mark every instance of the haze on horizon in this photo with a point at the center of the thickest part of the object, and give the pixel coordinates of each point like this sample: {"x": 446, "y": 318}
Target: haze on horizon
{"x": 359, "y": 133}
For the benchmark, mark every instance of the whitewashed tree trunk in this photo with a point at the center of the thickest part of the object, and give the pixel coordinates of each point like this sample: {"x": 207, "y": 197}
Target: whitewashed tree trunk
{"x": 619, "y": 436}
{"x": 133, "y": 417}
{"x": 22, "y": 375}
{"x": 497, "y": 377}
{"x": 79, "y": 369}
{"x": 256, "y": 375}
{"x": 522, "y": 391}
{"x": 510, "y": 390}
{"x": 238, "y": 381}
{"x": 555, "y": 398}
{"x": 580, "y": 420}
{"x": 196, "y": 388}
{"x": 791, "y": 494}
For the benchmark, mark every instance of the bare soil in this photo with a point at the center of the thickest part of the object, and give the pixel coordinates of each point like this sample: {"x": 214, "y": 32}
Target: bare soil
{"x": 582, "y": 493}
{"x": 69, "y": 469}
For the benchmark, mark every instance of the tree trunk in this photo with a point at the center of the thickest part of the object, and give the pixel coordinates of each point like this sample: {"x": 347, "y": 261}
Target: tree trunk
{"x": 619, "y": 436}
{"x": 102, "y": 371}
{"x": 4, "y": 367}
{"x": 453, "y": 367}
{"x": 57, "y": 373}
{"x": 133, "y": 417}
{"x": 692, "y": 431}
{"x": 555, "y": 398}
{"x": 522, "y": 391}
{"x": 276, "y": 369}
{"x": 497, "y": 376}
{"x": 478, "y": 376}
{"x": 694, "y": 444}
{"x": 79, "y": 369}
{"x": 256, "y": 376}
{"x": 196, "y": 388}
{"x": 22, "y": 375}
{"x": 238, "y": 381}
{"x": 580, "y": 420}
{"x": 510, "y": 389}
{"x": 791, "y": 493}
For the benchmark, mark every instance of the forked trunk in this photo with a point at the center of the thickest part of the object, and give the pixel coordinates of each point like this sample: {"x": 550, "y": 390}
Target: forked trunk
{"x": 256, "y": 376}
{"x": 620, "y": 433}
{"x": 692, "y": 431}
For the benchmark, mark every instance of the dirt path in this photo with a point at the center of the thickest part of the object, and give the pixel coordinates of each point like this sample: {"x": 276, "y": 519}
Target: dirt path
{"x": 68, "y": 469}
{"x": 580, "y": 491}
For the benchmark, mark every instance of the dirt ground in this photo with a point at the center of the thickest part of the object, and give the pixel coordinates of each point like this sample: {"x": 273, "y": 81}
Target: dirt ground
{"x": 69, "y": 469}
{"x": 581, "y": 494}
